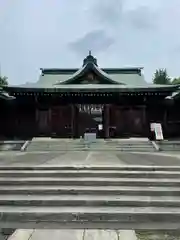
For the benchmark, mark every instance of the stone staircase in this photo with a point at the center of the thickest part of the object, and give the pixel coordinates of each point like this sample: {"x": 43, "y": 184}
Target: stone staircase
{"x": 55, "y": 145}
{"x": 127, "y": 145}
{"x": 13, "y": 145}
{"x": 121, "y": 197}
{"x": 169, "y": 145}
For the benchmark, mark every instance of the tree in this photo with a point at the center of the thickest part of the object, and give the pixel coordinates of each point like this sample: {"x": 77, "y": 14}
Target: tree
{"x": 176, "y": 81}
{"x": 161, "y": 77}
{"x": 3, "y": 81}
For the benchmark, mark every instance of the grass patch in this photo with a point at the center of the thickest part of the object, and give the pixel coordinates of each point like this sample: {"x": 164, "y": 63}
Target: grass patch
{"x": 158, "y": 235}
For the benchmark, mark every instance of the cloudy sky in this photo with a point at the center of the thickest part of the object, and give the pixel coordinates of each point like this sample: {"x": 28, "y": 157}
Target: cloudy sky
{"x": 59, "y": 33}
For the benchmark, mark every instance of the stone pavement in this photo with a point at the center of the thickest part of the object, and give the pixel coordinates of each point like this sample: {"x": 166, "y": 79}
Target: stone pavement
{"x": 33, "y": 234}
{"x": 87, "y": 158}
{"x": 73, "y": 235}
{"x": 78, "y": 158}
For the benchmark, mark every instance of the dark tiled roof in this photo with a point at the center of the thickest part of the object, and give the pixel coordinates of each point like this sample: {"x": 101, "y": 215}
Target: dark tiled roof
{"x": 125, "y": 76}
{"x": 116, "y": 79}
{"x": 4, "y": 95}
{"x": 95, "y": 88}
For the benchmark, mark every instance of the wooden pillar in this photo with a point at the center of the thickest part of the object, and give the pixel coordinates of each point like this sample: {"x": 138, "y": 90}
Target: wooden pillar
{"x": 165, "y": 122}
{"x": 144, "y": 116}
{"x": 37, "y": 121}
{"x": 37, "y": 115}
{"x": 76, "y": 122}
{"x": 165, "y": 117}
{"x": 106, "y": 121}
{"x": 49, "y": 120}
{"x": 14, "y": 117}
{"x": 145, "y": 123}
{"x": 73, "y": 126}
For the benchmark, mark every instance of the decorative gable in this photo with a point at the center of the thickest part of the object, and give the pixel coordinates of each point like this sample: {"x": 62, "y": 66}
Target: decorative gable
{"x": 89, "y": 74}
{"x": 90, "y": 78}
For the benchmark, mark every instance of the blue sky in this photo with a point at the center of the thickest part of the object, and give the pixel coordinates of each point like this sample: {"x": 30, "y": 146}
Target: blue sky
{"x": 59, "y": 33}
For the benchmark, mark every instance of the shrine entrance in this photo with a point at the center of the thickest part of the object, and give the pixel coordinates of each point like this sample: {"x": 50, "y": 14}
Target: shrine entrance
{"x": 128, "y": 122}
{"x": 90, "y": 119}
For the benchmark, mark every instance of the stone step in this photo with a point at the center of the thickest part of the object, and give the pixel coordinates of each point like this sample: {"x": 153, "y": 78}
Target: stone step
{"x": 89, "y": 197}
{"x": 121, "y": 147}
{"x": 90, "y": 190}
{"x": 120, "y": 143}
{"x": 94, "y": 149}
{"x": 81, "y": 167}
{"x": 98, "y": 145}
{"x": 97, "y": 141}
{"x": 56, "y": 148}
{"x": 170, "y": 149}
{"x": 90, "y": 200}
{"x": 90, "y": 181}
{"x": 91, "y": 146}
{"x": 90, "y": 173}
{"x": 57, "y": 144}
{"x": 87, "y": 217}
{"x": 169, "y": 145}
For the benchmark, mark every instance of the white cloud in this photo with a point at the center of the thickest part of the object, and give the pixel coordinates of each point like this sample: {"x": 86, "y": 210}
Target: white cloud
{"x": 97, "y": 40}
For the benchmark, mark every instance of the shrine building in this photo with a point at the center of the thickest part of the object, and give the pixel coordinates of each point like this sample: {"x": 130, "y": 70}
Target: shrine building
{"x": 111, "y": 102}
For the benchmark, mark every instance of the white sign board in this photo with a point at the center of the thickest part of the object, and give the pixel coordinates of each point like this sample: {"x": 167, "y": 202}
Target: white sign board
{"x": 100, "y": 127}
{"x": 158, "y": 131}
{"x": 152, "y": 127}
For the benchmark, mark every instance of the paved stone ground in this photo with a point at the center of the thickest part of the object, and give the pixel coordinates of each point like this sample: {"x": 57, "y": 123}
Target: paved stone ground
{"x": 34, "y": 234}
{"x": 86, "y": 158}
{"x": 73, "y": 235}
{"x": 149, "y": 159}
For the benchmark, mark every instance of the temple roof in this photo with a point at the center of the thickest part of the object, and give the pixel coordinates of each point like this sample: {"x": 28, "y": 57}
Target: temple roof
{"x": 96, "y": 88}
{"x": 106, "y": 79}
{"x": 174, "y": 95}
{"x": 4, "y": 95}
{"x": 89, "y": 65}
{"x": 51, "y": 77}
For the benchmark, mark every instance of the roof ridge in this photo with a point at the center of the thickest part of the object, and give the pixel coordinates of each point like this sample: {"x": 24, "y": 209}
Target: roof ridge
{"x": 88, "y": 66}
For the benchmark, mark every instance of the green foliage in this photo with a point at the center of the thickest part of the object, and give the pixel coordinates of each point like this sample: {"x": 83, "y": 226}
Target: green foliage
{"x": 3, "y": 81}
{"x": 161, "y": 77}
{"x": 176, "y": 81}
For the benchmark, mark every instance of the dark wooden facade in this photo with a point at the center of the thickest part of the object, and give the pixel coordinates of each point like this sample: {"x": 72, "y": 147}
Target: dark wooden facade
{"x": 27, "y": 117}
{"x": 89, "y": 98}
